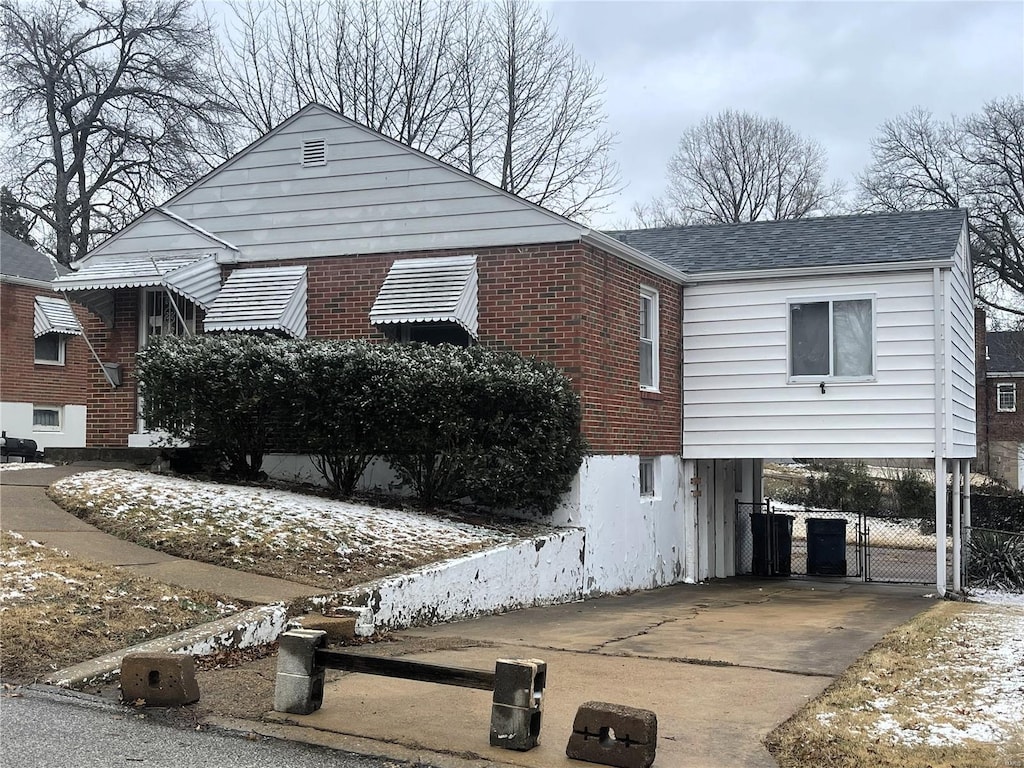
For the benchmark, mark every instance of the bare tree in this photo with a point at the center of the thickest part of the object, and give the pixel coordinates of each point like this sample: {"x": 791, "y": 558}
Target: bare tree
{"x": 488, "y": 87}
{"x": 110, "y": 109}
{"x": 737, "y": 166}
{"x": 975, "y": 163}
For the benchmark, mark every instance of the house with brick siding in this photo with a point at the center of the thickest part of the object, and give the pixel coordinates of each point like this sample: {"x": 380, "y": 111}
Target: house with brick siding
{"x": 1000, "y": 408}
{"x": 697, "y": 354}
{"x": 43, "y": 356}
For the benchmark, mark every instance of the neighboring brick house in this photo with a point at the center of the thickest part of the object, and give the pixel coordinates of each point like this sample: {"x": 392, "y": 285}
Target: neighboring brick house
{"x": 697, "y": 351}
{"x": 1001, "y": 404}
{"x": 43, "y": 358}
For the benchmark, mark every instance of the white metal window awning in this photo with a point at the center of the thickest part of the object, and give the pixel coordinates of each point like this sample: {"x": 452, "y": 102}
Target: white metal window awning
{"x": 261, "y": 299}
{"x": 432, "y": 290}
{"x": 197, "y": 278}
{"x": 52, "y": 315}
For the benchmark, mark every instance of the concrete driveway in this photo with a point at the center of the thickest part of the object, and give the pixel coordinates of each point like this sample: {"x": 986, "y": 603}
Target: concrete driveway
{"x": 720, "y": 664}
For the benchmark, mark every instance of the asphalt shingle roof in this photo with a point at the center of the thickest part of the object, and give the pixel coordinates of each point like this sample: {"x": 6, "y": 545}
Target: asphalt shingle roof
{"x": 19, "y": 259}
{"x": 879, "y": 238}
{"x": 1005, "y": 351}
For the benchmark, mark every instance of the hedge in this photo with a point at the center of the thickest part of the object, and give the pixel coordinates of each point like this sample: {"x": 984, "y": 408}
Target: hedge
{"x": 477, "y": 423}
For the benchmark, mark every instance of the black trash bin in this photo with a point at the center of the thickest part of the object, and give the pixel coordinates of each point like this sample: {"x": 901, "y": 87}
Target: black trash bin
{"x": 826, "y": 546}
{"x": 773, "y": 544}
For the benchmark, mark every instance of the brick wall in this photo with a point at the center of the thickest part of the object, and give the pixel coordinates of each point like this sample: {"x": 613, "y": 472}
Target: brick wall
{"x": 22, "y": 380}
{"x": 112, "y": 412}
{"x": 566, "y": 303}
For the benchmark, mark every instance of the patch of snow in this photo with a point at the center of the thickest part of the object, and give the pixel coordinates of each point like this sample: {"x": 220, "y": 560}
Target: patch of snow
{"x": 996, "y": 597}
{"x": 10, "y": 466}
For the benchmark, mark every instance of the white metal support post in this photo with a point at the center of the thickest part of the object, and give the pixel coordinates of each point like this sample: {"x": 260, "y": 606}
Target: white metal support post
{"x": 956, "y": 492}
{"x": 940, "y": 526}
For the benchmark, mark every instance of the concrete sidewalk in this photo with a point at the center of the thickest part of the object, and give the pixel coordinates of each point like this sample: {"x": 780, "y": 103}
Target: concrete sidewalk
{"x": 721, "y": 665}
{"x": 25, "y": 509}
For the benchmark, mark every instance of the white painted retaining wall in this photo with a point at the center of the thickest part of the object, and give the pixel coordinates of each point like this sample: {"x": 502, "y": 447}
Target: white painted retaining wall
{"x": 632, "y": 543}
{"x": 542, "y": 571}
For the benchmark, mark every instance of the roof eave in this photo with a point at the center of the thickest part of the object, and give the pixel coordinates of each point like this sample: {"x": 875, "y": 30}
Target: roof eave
{"x": 633, "y": 256}
{"x": 26, "y": 281}
{"x": 818, "y": 271}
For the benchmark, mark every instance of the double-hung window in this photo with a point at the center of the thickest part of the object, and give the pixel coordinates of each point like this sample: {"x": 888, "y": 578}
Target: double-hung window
{"x": 1006, "y": 398}
{"x": 832, "y": 339}
{"x": 648, "y": 338}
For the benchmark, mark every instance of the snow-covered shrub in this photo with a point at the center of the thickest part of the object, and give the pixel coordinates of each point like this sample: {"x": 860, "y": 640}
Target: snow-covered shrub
{"x": 221, "y": 392}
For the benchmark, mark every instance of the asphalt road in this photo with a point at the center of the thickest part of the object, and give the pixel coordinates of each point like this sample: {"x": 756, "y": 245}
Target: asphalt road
{"x": 43, "y": 729}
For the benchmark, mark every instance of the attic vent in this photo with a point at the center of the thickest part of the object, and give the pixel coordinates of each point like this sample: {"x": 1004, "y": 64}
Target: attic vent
{"x": 314, "y": 152}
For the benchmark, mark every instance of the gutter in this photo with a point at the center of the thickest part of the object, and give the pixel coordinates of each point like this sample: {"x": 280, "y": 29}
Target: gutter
{"x": 839, "y": 269}
{"x": 633, "y": 256}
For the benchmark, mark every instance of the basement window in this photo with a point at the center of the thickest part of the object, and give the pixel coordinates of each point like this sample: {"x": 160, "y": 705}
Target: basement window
{"x": 46, "y": 418}
{"x": 648, "y": 478}
{"x": 314, "y": 153}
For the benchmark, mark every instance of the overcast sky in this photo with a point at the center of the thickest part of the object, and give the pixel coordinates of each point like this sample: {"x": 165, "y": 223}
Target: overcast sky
{"x": 832, "y": 71}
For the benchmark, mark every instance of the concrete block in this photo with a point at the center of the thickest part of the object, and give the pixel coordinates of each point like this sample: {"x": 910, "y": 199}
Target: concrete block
{"x": 362, "y": 614}
{"x": 613, "y": 734}
{"x": 516, "y": 728}
{"x": 339, "y": 629}
{"x": 520, "y": 682}
{"x": 299, "y": 694}
{"x": 296, "y": 650}
{"x": 161, "y": 679}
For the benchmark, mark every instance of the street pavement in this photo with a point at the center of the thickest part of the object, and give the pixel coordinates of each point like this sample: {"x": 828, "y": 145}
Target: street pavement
{"x": 54, "y": 730}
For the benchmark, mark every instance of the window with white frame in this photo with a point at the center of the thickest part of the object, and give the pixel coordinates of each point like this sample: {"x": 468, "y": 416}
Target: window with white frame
{"x": 648, "y": 478}
{"x": 50, "y": 348}
{"x": 46, "y": 418}
{"x": 648, "y": 338}
{"x": 832, "y": 339}
{"x": 1006, "y": 397}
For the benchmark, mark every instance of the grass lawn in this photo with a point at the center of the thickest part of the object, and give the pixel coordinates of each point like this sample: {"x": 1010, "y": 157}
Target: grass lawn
{"x": 945, "y": 690}
{"x": 303, "y": 538}
{"x": 56, "y": 610}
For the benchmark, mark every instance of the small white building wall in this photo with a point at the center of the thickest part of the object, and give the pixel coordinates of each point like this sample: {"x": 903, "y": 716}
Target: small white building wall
{"x": 16, "y": 420}
{"x": 961, "y": 399}
{"x": 632, "y": 543}
{"x": 372, "y": 196}
{"x": 737, "y": 402}
{"x": 157, "y": 234}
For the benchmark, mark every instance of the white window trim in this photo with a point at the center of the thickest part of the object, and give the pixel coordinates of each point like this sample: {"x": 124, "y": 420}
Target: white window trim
{"x": 651, "y": 294}
{"x": 830, "y": 299}
{"x": 1012, "y": 389}
{"x": 60, "y": 418}
{"x": 655, "y": 464}
{"x": 62, "y": 343}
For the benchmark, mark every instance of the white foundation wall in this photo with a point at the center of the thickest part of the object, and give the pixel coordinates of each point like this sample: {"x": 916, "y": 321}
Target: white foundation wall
{"x": 543, "y": 571}
{"x": 16, "y": 420}
{"x": 631, "y": 543}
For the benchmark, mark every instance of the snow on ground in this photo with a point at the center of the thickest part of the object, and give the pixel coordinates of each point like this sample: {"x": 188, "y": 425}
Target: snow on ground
{"x": 280, "y": 521}
{"x": 10, "y": 466}
{"x": 972, "y": 690}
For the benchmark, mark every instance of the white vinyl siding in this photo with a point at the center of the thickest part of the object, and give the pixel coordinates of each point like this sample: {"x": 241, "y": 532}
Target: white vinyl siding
{"x": 1006, "y": 398}
{"x": 374, "y": 196}
{"x": 959, "y": 287}
{"x": 739, "y": 399}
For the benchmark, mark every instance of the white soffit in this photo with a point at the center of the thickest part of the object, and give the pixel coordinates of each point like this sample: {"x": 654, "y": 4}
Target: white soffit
{"x": 52, "y": 315}
{"x": 197, "y": 278}
{"x": 429, "y": 291}
{"x": 261, "y": 299}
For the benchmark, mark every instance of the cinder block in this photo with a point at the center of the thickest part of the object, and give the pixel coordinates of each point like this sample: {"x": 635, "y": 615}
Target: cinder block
{"x": 299, "y": 694}
{"x": 613, "y": 734}
{"x": 515, "y": 728}
{"x": 160, "y": 679}
{"x": 520, "y": 682}
{"x": 339, "y": 629}
{"x": 296, "y": 650}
